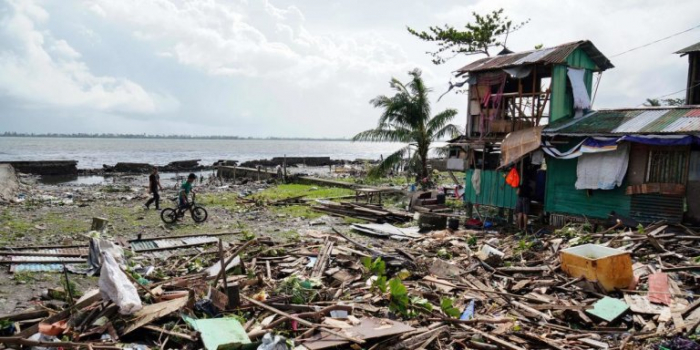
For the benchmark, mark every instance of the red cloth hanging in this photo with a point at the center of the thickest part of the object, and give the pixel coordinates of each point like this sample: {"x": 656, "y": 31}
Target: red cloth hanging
{"x": 513, "y": 178}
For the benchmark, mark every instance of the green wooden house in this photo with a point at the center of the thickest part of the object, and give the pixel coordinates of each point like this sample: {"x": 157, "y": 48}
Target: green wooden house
{"x": 511, "y": 96}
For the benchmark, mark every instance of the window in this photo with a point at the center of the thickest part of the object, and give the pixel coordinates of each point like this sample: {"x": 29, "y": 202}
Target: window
{"x": 667, "y": 166}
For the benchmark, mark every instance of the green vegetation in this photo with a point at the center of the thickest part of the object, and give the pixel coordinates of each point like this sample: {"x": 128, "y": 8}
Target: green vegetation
{"x": 376, "y": 267}
{"x": 227, "y": 200}
{"x": 298, "y": 211}
{"x": 406, "y": 118}
{"x": 447, "y": 307}
{"x": 487, "y": 32}
{"x": 116, "y": 188}
{"x": 301, "y": 291}
{"x": 13, "y": 226}
{"x": 295, "y": 190}
{"x": 24, "y": 277}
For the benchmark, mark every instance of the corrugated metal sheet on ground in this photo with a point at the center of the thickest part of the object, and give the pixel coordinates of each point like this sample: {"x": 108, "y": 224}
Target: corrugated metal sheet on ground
{"x": 36, "y": 268}
{"x": 200, "y": 240}
{"x": 630, "y": 121}
{"x": 171, "y": 243}
{"x": 72, "y": 251}
{"x": 649, "y": 208}
{"x": 39, "y": 267}
{"x": 550, "y": 55}
{"x": 143, "y": 245}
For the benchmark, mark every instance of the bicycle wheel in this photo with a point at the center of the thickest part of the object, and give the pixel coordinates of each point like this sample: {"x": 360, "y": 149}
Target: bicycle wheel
{"x": 168, "y": 215}
{"x": 199, "y": 214}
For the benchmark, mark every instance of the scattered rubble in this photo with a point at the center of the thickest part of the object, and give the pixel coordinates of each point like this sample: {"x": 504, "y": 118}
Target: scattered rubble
{"x": 431, "y": 291}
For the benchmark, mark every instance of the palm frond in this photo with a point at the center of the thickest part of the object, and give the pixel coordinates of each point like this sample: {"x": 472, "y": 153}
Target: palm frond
{"x": 389, "y": 162}
{"x": 440, "y": 121}
{"x": 449, "y": 129}
{"x": 442, "y": 152}
{"x": 379, "y": 135}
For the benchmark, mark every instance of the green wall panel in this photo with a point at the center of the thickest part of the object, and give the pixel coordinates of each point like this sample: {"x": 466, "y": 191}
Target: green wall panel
{"x": 494, "y": 189}
{"x": 562, "y": 197}
{"x": 562, "y": 104}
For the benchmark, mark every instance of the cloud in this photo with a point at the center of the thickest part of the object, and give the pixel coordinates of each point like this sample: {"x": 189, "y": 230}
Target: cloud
{"x": 614, "y": 27}
{"x": 36, "y": 67}
{"x": 250, "y": 39}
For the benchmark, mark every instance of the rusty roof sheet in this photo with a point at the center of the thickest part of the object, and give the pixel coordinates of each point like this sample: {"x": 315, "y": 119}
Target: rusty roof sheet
{"x": 551, "y": 55}
{"x": 692, "y": 48}
{"x": 652, "y": 120}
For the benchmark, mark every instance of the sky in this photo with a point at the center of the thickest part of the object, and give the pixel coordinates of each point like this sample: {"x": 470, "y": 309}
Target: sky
{"x": 284, "y": 68}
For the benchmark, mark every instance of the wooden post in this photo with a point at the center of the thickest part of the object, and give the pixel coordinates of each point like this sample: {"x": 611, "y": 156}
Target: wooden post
{"x": 223, "y": 267}
{"x": 99, "y": 224}
{"x": 234, "y": 296}
{"x": 284, "y": 166}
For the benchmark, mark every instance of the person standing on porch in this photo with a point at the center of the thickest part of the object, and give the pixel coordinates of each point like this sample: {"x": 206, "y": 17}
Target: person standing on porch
{"x": 522, "y": 206}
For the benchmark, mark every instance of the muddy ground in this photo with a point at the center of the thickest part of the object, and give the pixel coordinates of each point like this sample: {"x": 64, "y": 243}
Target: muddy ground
{"x": 62, "y": 215}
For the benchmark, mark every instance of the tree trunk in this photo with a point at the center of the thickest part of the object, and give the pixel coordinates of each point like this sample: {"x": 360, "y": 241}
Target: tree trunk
{"x": 424, "y": 162}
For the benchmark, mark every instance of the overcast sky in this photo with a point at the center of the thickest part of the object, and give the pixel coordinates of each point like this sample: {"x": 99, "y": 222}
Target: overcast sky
{"x": 304, "y": 68}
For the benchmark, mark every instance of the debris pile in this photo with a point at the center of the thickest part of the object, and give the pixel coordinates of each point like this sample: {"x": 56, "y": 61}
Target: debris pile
{"x": 447, "y": 289}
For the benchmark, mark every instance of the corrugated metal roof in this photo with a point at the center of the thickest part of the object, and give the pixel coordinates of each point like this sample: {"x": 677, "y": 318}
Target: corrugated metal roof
{"x": 651, "y": 120}
{"x": 551, "y": 55}
{"x": 689, "y": 49}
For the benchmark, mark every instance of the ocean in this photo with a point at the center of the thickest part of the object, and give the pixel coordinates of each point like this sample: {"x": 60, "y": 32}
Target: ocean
{"x": 92, "y": 153}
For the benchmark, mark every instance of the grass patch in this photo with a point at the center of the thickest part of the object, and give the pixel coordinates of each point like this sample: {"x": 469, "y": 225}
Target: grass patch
{"x": 62, "y": 224}
{"x": 298, "y": 211}
{"x": 295, "y": 190}
{"x": 228, "y": 201}
{"x": 12, "y": 225}
{"x": 349, "y": 221}
{"x": 116, "y": 188}
{"x": 24, "y": 277}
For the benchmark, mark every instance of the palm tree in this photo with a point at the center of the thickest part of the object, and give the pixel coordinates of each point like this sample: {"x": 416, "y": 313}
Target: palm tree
{"x": 406, "y": 118}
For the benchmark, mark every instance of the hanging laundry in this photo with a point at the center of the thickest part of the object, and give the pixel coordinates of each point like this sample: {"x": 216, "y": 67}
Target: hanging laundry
{"x": 476, "y": 181}
{"x": 582, "y": 100}
{"x": 602, "y": 171}
{"x": 513, "y": 178}
{"x": 537, "y": 157}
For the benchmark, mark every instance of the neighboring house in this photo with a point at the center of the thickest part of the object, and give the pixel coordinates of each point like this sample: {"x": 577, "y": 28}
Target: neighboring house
{"x": 642, "y": 163}
{"x": 511, "y": 96}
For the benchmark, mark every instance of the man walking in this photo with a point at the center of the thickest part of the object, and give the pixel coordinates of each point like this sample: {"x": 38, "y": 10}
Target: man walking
{"x": 154, "y": 186}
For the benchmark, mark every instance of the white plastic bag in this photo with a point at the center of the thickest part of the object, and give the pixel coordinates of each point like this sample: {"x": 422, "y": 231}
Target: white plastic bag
{"x": 274, "y": 342}
{"x": 115, "y": 286}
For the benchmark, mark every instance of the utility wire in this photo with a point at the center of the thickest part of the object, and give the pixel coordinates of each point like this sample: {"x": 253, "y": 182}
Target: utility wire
{"x": 655, "y": 41}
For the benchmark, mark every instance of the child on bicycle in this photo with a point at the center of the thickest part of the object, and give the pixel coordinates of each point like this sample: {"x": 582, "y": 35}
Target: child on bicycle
{"x": 185, "y": 190}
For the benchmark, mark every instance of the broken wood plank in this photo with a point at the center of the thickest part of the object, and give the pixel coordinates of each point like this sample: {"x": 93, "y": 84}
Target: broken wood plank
{"x": 532, "y": 311}
{"x": 302, "y": 321}
{"x": 499, "y": 341}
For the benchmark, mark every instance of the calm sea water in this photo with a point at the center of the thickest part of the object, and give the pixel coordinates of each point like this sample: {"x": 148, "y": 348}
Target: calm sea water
{"x": 93, "y": 153}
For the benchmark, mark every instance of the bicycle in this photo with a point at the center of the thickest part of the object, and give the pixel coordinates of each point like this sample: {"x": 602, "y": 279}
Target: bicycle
{"x": 198, "y": 213}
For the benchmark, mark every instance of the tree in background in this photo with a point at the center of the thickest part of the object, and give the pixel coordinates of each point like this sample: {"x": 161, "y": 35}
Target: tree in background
{"x": 406, "y": 118}
{"x": 655, "y": 102}
{"x": 480, "y": 36}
